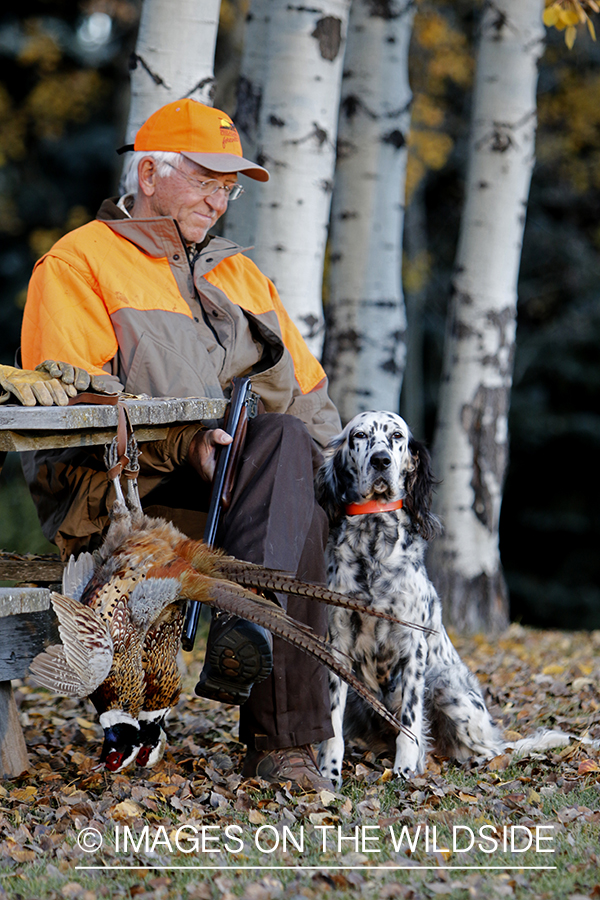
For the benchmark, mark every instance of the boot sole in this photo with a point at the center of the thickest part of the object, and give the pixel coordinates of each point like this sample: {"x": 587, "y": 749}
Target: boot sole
{"x": 235, "y": 664}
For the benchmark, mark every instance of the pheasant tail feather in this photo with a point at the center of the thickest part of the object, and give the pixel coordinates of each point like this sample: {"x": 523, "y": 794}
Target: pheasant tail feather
{"x": 250, "y": 575}
{"x": 236, "y": 600}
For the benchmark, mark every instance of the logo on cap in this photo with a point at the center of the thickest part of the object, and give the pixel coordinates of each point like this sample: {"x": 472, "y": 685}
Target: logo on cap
{"x": 229, "y": 133}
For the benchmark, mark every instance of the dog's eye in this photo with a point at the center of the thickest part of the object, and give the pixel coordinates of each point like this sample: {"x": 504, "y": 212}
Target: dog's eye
{"x": 359, "y": 434}
{"x": 398, "y": 436}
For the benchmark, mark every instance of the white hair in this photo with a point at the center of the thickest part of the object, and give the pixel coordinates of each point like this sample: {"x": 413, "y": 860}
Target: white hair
{"x": 164, "y": 159}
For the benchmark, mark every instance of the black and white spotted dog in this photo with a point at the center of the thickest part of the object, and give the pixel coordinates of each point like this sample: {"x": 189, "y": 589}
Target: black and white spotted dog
{"x": 375, "y": 485}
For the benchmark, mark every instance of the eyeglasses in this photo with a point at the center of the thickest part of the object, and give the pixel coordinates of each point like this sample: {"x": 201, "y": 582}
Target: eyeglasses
{"x": 206, "y": 188}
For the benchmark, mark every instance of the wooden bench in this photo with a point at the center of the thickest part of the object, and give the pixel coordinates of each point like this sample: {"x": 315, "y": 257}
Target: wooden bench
{"x": 27, "y": 622}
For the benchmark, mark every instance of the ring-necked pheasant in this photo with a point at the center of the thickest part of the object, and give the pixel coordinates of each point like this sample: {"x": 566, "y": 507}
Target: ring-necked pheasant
{"x": 121, "y": 616}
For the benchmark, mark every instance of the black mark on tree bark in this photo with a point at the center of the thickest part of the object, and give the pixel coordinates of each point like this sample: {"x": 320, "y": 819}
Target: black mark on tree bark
{"x": 350, "y": 105}
{"x": 387, "y": 9}
{"x": 249, "y": 98}
{"x": 313, "y": 325}
{"x": 134, "y": 59}
{"x": 201, "y": 85}
{"x": 395, "y": 138}
{"x": 480, "y": 421}
{"x": 328, "y": 32}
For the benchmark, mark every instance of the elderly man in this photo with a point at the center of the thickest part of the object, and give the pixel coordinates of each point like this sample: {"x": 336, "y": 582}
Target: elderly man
{"x": 146, "y": 296}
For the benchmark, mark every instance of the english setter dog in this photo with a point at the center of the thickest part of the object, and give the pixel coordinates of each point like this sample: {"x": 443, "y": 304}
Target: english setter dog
{"x": 375, "y": 486}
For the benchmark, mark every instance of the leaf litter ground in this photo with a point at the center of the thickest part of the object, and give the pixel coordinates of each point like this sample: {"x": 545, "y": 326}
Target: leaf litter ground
{"x": 377, "y": 837}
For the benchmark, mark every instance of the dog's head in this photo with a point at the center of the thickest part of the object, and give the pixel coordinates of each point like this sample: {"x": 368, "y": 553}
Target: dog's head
{"x": 376, "y": 457}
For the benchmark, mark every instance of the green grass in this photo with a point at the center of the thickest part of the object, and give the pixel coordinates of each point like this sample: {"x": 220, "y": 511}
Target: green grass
{"x": 393, "y": 803}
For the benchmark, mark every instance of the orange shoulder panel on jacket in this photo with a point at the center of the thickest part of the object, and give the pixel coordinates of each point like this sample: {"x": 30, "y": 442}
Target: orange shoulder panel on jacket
{"x": 64, "y": 318}
{"x": 75, "y": 288}
{"x": 245, "y": 284}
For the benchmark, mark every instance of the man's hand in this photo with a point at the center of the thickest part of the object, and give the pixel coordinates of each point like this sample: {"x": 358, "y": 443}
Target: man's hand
{"x": 201, "y": 455}
{"x": 35, "y": 387}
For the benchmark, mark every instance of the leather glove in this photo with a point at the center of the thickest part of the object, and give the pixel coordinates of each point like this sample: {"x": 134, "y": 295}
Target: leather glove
{"x": 73, "y": 378}
{"x": 77, "y": 380}
{"x": 33, "y": 387}
{"x": 106, "y": 384}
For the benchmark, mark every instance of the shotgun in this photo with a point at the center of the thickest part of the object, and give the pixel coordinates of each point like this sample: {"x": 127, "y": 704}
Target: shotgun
{"x": 242, "y": 406}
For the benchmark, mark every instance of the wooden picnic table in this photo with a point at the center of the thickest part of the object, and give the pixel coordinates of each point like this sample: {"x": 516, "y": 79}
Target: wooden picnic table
{"x": 52, "y": 427}
{"x": 27, "y": 623}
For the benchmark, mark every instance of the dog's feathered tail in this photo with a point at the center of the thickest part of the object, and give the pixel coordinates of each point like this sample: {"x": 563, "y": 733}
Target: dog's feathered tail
{"x": 548, "y": 739}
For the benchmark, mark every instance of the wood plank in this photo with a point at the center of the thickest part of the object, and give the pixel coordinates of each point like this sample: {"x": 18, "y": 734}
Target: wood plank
{"x": 55, "y": 440}
{"x": 17, "y": 600}
{"x": 22, "y": 637}
{"x": 27, "y": 626}
{"x": 13, "y": 752}
{"x": 47, "y": 427}
{"x": 39, "y": 570}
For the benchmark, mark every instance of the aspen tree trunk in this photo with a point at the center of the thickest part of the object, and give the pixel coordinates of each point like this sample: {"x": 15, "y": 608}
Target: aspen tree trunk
{"x": 174, "y": 56}
{"x": 471, "y": 444}
{"x": 240, "y": 226}
{"x": 366, "y": 321}
{"x": 412, "y": 400}
{"x": 303, "y": 46}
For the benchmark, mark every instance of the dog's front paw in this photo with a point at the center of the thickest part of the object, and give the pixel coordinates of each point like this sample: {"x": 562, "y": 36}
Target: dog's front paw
{"x": 333, "y": 772}
{"x": 410, "y": 759}
{"x": 407, "y": 772}
{"x": 330, "y": 760}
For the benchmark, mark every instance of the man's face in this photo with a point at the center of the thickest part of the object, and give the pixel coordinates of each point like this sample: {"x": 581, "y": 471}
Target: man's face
{"x": 180, "y": 195}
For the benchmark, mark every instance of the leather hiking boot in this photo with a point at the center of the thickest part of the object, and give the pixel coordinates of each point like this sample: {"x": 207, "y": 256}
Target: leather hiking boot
{"x": 295, "y": 764}
{"x": 238, "y": 654}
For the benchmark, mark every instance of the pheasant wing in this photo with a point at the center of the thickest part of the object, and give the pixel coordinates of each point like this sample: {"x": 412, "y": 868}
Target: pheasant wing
{"x": 51, "y": 670}
{"x": 161, "y": 669}
{"x": 87, "y": 651}
{"x": 77, "y": 574}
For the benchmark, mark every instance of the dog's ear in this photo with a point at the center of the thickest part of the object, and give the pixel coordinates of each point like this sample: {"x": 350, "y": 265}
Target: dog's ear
{"x": 419, "y": 486}
{"x": 332, "y": 480}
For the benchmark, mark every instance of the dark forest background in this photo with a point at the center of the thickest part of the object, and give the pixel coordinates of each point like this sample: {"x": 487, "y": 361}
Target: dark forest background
{"x": 63, "y": 107}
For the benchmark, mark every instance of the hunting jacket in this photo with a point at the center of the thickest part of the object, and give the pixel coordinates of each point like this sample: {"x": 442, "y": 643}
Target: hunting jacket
{"x": 123, "y": 295}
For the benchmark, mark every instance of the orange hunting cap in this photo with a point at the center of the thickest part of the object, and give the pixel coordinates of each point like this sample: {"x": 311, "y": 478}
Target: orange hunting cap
{"x": 204, "y": 134}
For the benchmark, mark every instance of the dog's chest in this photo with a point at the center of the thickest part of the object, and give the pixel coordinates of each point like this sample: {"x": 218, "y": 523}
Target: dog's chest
{"x": 376, "y": 556}
{"x": 379, "y": 558}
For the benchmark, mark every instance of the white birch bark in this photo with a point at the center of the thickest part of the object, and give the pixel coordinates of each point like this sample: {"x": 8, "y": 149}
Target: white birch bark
{"x": 240, "y": 224}
{"x": 471, "y": 444}
{"x": 174, "y": 56}
{"x": 296, "y": 135}
{"x": 366, "y": 321}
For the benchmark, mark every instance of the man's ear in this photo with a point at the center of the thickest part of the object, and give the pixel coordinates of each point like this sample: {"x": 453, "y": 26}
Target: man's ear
{"x": 147, "y": 176}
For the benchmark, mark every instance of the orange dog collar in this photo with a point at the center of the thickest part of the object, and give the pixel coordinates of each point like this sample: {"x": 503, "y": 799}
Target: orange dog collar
{"x": 373, "y": 506}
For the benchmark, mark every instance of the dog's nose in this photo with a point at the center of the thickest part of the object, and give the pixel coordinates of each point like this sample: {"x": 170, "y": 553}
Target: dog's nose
{"x": 381, "y": 460}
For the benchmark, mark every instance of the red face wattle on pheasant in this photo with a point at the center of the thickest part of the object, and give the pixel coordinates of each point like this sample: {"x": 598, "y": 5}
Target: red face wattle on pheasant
{"x": 121, "y": 740}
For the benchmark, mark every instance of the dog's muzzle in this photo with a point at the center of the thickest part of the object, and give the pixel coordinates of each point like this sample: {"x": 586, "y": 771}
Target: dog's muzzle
{"x": 380, "y": 471}
{"x": 380, "y": 461}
